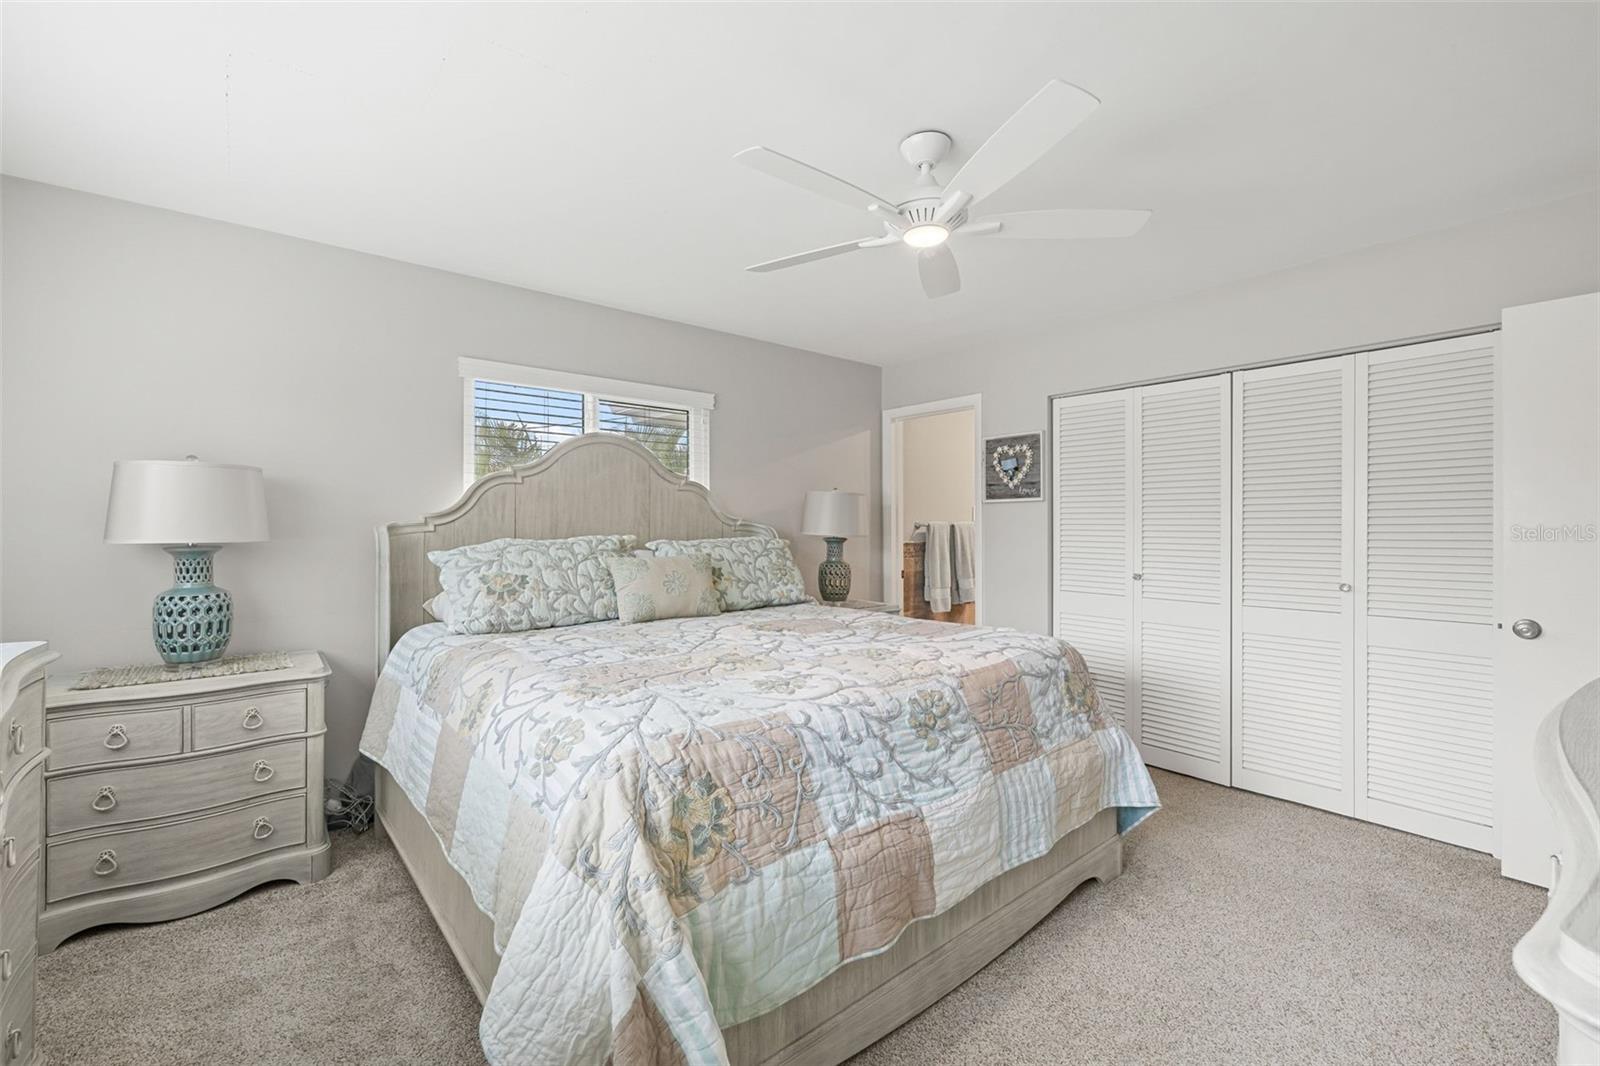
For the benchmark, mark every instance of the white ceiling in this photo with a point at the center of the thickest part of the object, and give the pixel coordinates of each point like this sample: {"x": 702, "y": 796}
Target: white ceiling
{"x": 585, "y": 149}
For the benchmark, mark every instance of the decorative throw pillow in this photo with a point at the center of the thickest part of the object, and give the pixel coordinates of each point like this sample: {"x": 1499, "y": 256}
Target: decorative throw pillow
{"x": 508, "y": 585}
{"x": 750, "y": 571}
{"x": 652, "y": 588}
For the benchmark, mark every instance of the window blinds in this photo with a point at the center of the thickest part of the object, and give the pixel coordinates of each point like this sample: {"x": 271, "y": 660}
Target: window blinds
{"x": 514, "y": 424}
{"x": 663, "y": 430}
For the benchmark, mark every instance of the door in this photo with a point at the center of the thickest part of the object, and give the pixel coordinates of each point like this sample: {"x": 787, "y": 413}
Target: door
{"x": 1293, "y": 565}
{"x": 1092, "y": 542}
{"x": 1549, "y": 551}
{"x": 1182, "y": 594}
{"x": 1424, "y": 592}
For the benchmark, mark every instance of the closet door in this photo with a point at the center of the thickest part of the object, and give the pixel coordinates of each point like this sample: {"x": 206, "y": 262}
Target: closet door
{"x": 1092, "y": 545}
{"x": 1293, "y": 570}
{"x": 1424, "y": 705}
{"x": 1182, "y": 592}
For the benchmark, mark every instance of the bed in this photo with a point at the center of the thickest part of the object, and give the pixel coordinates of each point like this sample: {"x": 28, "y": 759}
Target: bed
{"x": 766, "y": 836}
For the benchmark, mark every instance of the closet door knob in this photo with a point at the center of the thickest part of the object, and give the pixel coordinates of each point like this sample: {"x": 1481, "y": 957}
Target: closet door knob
{"x": 1344, "y": 586}
{"x": 1527, "y": 628}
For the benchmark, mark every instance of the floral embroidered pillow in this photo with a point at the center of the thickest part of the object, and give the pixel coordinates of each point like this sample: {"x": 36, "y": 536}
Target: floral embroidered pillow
{"x": 508, "y": 585}
{"x": 652, "y": 588}
{"x": 750, "y": 571}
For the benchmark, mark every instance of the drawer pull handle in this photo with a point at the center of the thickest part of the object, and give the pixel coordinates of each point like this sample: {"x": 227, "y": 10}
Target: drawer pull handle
{"x": 263, "y": 772}
{"x": 106, "y": 864}
{"x": 13, "y": 1044}
{"x": 5, "y": 965}
{"x": 262, "y": 830}
{"x": 252, "y": 718}
{"x": 17, "y": 744}
{"x": 105, "y": 799}
{"x": 9, "y": 846}
{"x": 117, "y": 737}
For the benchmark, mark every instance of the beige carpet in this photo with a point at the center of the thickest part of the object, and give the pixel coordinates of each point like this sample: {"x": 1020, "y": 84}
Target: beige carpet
{"x": 1244, "y": 930}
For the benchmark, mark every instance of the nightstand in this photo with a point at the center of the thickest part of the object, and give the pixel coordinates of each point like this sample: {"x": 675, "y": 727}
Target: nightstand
{"x": 22, "y": 756}
{"x": 166, "y": 799}
{"x": 864, "y": 605}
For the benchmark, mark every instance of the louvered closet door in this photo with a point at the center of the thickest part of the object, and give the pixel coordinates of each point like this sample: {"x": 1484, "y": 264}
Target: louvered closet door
{"x": 1182, "y": 520}
{"x": 1092, "y": 546}
{"x": 1293, "y": 561}
{"x": 1425, "y": 594}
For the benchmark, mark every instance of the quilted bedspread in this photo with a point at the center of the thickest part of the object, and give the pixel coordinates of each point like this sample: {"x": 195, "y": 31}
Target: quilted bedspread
{"x": 680, "y": 825}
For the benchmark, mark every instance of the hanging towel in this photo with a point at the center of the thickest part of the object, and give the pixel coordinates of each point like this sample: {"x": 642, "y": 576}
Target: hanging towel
{"x": 936, "y": 568}
{"x": 963, "y": 583}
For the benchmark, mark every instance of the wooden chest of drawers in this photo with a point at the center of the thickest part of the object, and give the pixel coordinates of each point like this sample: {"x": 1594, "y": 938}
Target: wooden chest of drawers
{"x": 166, "y": 799}
{"x": 22, "y": 760}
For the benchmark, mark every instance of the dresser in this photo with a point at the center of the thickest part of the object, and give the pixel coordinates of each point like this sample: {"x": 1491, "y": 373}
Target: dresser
{"x": 166, "y": 799}
{"x": 22, "y": 761}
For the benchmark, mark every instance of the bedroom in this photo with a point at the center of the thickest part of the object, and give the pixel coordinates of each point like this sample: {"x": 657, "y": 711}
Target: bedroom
{"x": 1283, "y": 496}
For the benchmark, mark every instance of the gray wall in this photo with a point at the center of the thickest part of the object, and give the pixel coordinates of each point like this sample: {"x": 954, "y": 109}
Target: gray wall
{"x": 131, "y": 332}
{"x": 1448, "y": 280}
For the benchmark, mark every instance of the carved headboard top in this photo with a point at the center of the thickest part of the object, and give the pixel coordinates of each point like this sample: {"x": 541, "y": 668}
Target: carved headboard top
{"x": 596, "y": 483}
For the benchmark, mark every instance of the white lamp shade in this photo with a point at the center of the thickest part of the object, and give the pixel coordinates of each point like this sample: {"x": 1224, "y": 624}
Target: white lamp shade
{"x": 185, "y": 501}
{"x": 830, "y": 513}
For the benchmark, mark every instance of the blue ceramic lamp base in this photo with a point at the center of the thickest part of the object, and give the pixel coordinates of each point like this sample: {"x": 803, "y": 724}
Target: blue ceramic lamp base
{"x": 833, "y": 576}
{"x": 193, "y": 620}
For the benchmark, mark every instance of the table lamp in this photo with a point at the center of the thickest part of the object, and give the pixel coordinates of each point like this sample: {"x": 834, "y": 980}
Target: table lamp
{"x": 191, "y": 509}
{"x": 833, "y": 516}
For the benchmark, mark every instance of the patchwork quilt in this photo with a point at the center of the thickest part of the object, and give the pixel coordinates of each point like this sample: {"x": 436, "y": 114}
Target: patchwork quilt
{"x": 679, "y": 825}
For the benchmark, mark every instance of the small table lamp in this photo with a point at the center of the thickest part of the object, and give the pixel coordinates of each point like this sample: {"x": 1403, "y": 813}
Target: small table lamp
{"x": 833, "y": 516}
{"x": 190, "y": 508}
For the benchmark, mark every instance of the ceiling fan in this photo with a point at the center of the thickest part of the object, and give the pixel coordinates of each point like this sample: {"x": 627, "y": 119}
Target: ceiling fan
{"x": 931, "y": 214}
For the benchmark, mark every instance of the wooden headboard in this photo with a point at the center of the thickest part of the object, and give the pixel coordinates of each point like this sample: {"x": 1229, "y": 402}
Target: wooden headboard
{"x": 596, "y": 483}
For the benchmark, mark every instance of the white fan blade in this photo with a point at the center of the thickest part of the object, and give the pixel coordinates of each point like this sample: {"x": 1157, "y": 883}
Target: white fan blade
{"x": 810, "y": 178}
{"x": 954, "y": 202}
{"x": 1054, "y": 112}
{"x": 816, "y": 253}
{"x": 1067, "y": 224}
{"x": 889, "y": 217}
{"x": 937, "y": 266}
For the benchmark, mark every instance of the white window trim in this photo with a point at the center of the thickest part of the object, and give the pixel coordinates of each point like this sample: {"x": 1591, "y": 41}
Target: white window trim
{"x": 698, "y": 404}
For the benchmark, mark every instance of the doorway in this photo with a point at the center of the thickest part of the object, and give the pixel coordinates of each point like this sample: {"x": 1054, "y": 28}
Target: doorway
{"x": 932, "y": 472}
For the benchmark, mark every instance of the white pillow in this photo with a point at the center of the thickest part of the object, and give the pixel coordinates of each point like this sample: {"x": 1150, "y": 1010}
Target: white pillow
{"x": 507, "y": 585}
{"x": 750, "y": 571}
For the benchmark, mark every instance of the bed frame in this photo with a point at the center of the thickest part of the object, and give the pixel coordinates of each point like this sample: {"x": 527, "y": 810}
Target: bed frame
{"x": 602, "y": 483}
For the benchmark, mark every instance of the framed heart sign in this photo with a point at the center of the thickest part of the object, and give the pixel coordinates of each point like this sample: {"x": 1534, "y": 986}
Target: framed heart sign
{"x": 1013, "y": 468}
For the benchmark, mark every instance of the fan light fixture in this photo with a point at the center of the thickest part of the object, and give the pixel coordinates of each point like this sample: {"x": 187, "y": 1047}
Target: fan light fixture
{"x": 927, "y": 235}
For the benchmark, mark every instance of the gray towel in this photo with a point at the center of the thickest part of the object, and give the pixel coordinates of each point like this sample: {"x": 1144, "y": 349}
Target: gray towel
{"x": 963, "y": 586}
{"x": 936, "y": 569}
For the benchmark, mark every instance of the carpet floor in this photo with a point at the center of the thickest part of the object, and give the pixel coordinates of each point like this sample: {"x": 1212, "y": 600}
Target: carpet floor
{"x": 1243, "y": 930}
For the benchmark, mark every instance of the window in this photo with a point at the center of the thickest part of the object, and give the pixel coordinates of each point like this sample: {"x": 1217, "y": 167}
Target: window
{"x": 514, "y": 414}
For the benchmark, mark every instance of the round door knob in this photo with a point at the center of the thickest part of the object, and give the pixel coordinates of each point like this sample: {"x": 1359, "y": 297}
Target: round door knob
{"x": 1527, "y": 628}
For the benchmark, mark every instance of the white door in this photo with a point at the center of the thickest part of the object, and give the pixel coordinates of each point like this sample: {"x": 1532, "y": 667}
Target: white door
{"x": 1092, "y": 543}
{"x": 1549, "y": 551}
{"x": 1182, "y": 593}
{"x": 1424, "y": 589}
{"x": 1293, "y": 566}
